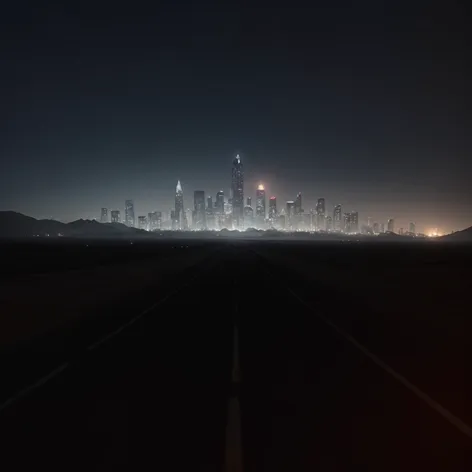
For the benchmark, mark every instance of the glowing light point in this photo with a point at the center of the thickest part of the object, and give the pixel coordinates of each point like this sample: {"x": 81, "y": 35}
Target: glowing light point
{"x": 260, "y": 187}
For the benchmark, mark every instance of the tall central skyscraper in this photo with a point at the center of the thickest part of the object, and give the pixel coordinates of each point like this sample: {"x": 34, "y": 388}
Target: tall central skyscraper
{"x": 237, "y": 187}
{"x": 129, "y": 213}
{"x": 179, "y": 214}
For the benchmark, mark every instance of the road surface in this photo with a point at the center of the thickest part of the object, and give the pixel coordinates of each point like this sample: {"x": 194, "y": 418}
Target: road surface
{"x": 232, "y": 366}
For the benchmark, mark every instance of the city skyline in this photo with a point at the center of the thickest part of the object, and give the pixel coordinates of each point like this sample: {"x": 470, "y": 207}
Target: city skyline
{"x": 329, "y": 100}
{"x": 265, "y": 213}
{"x": 127, "y": 211}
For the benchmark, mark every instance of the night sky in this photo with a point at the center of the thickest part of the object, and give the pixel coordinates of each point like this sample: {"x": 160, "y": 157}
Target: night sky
{"x": 361, "y": 102}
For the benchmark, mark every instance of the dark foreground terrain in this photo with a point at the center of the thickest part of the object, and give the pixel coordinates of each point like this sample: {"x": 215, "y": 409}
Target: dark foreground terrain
{"x": 236, "y": 356}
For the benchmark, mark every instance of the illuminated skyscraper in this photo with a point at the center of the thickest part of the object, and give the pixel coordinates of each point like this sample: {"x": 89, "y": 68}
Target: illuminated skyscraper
{"x": 281, "y": 222}
{"x": 237, "y": 187}
{"x": 412, "y": 228}
{"x": 220, "y": 202}
{"x": 115, "y": 216}
{"x": 248, "y": 216}
{"x": 298, "y": 204}
{"x": 329, "y": 223}
{"x": 272, "y": 210}
{"x": 347, "y": 223}
{"x": 129, "y": 213}
{"x": 104, "y": 215}
{"x": 290, "y": 213}
{"x": 199, "y": 209}
{"x": 154, "y": 220}
{"x": 142, "y": 222}
{"x": 189, "y": 218}
{"x": 210, "y": 214}
{"x": 179, "y": 214}
{"x": 354, "y": 219}
{"x": 337, "y": 219}
{"x": 320, "y": 214}
{"x": 260, "y": 204}
{"x": 391, "y": 225}
{"x": 249, "y": 201}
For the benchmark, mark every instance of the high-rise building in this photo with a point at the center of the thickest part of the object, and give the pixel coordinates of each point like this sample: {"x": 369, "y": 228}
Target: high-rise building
{"x": 189, "y": 218}
{"x": 391, "y": 225}
{"x": 290, "y": 214}
{"x": 142, "y": 222}
{"x": 321, "y": 207}
{"x": 154, "y": 220}
{"x": 412, "y": 228}
{"x": 129, "y": 213}
{"x": 248, "y": 216}
{"x": 179, "y": 214}
{"x": 104, "y": 215}
{"x": 369, "y": 222}
{"x": 199, "y": 220}
{"x": 115, "y": 216}
{"x": 210, "y": 214}
{"x": 237, "y": 187}
{"x": 272, "y": 210}
{"x": 249, "y": 201}
{"x": 354, "y": 221}
{"x": 220, "y": 202}
{"x": 376, "y": 228}
{"x": 347, "y": 223}
{"x": 298, "y": 204}
{"x": 260, "y": 202}
{"x": 228, "y": 206}
{"x": 281, "y": 221}
{"x": 329, "y": 223}
{"x": 320, "y": 214}
{"x": 173, "y": 221}
{"x": 337, "y": 219}
{"x": 382, "y": 228}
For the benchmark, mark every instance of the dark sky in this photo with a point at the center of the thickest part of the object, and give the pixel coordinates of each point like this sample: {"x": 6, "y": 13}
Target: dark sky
{"x": 361, "y": 102}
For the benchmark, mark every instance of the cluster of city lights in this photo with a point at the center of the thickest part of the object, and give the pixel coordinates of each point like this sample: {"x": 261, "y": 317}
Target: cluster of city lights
{"x": 238, "y": 213}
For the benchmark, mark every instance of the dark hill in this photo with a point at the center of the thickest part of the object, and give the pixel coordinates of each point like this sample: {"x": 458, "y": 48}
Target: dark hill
{"x": 463, "y": 236}
{"x": 17, "y": 225}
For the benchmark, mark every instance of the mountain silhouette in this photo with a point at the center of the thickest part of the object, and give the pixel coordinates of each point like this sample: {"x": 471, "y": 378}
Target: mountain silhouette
{"x": 17, "y": 225}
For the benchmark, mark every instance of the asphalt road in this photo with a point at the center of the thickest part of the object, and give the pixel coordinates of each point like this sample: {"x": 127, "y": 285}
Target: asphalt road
{"x": 169, "y": 388}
